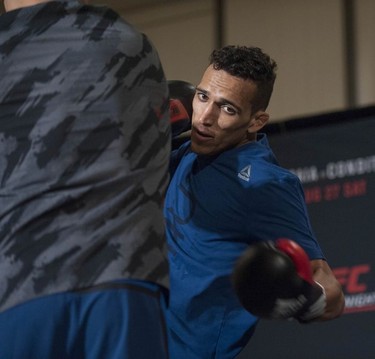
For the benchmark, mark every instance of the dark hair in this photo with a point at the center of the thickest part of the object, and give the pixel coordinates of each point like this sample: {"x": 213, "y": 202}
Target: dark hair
{"x": 248, "y": 63}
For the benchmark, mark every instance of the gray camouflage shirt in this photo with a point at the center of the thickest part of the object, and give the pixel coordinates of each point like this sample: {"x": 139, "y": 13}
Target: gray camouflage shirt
{"x": 84, "y": 151}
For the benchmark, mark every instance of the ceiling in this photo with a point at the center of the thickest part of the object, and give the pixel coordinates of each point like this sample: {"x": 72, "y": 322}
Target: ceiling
{"x": 121, "y": 5}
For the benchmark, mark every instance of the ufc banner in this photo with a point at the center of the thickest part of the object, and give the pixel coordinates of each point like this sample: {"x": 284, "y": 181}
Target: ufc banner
{"x": 334, "y": 156}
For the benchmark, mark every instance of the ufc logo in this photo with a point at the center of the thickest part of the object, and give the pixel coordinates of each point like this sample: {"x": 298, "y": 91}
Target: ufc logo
{"x": 349, "y": 278}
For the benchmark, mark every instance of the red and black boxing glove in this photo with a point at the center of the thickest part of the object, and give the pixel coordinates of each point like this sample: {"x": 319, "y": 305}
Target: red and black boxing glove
{"x": 273, "y": 280}
{"x": 181, "y": 94}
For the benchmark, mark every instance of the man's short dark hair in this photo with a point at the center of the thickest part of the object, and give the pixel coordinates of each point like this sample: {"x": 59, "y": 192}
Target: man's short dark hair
{"x": 248, "y": 63}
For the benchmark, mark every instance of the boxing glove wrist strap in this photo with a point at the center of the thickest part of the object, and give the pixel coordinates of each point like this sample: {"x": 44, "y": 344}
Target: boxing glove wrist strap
{"x": 315, "y": 306}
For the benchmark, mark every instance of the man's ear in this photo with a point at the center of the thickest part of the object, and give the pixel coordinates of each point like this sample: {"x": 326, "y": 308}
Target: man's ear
{"x": 258, "y": 121}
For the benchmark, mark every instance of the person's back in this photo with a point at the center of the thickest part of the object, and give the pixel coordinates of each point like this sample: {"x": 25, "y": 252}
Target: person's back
{"x": 84, "y": 141}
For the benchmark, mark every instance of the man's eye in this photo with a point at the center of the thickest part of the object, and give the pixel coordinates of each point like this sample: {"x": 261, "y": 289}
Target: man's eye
{"x": 202, "y": 96}
{"x": 229, "y": 110}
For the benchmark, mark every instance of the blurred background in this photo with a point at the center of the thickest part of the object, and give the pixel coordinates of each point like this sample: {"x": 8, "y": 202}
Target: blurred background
{"x": 324, "y": 48}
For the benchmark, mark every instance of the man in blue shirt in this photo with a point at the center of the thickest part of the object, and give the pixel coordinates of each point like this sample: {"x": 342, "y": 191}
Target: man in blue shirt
{"x": 227, "y": 192}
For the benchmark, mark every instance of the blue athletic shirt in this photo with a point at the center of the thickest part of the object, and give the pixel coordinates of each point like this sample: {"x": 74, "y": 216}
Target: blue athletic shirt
{"x": 214, "y": 208}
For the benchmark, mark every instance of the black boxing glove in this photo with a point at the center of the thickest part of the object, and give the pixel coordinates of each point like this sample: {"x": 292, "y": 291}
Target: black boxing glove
{"x": 273, "y": 280}
{"x": 181, "y": 94}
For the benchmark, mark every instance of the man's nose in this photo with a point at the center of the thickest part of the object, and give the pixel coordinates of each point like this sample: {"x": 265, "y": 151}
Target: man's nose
{"x": 209, "y": 114}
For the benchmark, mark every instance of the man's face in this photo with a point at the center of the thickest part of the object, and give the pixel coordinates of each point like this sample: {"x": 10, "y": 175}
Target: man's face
{"x": 222, "y": 114}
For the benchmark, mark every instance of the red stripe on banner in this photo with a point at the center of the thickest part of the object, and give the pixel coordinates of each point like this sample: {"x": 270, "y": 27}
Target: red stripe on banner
{"x": 369, "y": 308}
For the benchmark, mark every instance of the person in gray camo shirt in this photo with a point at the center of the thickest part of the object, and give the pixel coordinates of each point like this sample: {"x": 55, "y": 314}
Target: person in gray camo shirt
{"x": 84, "y": 151}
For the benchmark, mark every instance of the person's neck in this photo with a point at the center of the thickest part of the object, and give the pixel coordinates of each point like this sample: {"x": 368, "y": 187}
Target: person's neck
{"x": 251, "y": 137}
{"x": 10, "y": 5}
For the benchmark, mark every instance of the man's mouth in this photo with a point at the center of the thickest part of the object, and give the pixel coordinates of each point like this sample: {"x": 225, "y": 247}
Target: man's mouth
{"x": 202, "y": 133}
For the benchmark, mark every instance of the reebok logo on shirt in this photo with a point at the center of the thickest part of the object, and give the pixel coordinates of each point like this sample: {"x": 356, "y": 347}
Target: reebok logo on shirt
{"x": 244, "y": 174}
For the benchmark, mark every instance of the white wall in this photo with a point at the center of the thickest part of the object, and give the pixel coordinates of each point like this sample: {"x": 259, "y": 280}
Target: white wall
{"x": 183, "y": 33}
{"x": 305, "y": 38}
{"x": 366, "y": 51}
